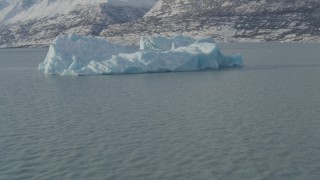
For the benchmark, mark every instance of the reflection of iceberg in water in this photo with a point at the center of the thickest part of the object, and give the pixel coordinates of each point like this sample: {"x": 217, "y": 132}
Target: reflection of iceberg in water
{"x": 81, "y": 55}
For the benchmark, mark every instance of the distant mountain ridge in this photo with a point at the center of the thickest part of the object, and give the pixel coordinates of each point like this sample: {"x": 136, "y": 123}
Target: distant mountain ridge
{"x": 34, "y": 22}
{"x": 228, "y": 20}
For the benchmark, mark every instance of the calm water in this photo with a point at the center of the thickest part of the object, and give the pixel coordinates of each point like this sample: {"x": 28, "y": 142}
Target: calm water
{"x": 258, "y": 122}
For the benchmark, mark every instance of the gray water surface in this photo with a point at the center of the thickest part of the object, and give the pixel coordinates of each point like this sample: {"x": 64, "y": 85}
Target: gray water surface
{"x": 261, "y": 121}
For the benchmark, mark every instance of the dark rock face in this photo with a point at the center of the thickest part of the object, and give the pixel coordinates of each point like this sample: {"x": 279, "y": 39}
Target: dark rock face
{"x": 228, "y": 20}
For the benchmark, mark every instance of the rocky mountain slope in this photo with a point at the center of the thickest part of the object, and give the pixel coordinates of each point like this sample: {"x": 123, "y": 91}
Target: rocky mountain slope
{"x": 227, "y": 20}
{"x": 34, "y": 22}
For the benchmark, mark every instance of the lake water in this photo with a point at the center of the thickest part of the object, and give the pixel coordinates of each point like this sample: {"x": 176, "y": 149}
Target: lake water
{"x": 261, "y": 121}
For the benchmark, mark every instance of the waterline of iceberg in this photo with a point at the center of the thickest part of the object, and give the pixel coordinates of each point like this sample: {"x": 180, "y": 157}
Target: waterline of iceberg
{"x": 82, "y": 55}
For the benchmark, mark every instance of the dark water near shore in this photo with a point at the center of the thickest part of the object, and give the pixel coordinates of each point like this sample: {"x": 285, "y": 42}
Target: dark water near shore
{"x": 261, "y": 121}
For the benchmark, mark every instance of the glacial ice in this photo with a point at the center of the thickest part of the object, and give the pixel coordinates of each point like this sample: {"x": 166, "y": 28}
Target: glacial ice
{"x": 84, "y": 55}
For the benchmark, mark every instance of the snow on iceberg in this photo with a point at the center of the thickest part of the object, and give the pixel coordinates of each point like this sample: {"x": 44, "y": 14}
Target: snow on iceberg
{"x": 167, "y": 43}
{"x": 82, "y": 55}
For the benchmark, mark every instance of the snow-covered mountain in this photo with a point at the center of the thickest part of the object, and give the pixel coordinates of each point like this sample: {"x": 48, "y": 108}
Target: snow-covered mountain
{"x": 27, "y": 22}
{"x": 228, "y": 20}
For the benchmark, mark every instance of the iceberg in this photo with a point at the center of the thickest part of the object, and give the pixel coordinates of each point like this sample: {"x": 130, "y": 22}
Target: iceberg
{"x": 85, "y": 55}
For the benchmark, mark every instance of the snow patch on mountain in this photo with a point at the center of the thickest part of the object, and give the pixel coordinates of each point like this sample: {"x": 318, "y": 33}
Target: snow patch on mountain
{"x": 22, "y": 10}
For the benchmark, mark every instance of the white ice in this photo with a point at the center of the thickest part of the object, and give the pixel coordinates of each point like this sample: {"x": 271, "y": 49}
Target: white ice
{"x": 82, "y": 55}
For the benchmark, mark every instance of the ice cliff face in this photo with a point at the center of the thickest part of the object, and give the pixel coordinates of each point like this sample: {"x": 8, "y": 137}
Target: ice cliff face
{"x": 228, "y": 20}
{"x": 27, "y": 22}
{"x": 85, "y": 55}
